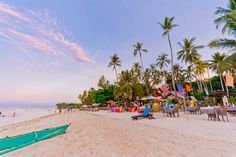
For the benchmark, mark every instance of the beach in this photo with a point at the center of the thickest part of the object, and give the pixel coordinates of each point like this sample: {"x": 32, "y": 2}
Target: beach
{"x": 108, "y": 134}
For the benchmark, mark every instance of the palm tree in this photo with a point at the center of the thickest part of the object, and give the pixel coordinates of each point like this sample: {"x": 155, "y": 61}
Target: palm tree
{"x": 137, "y": 71}
{"x": 188, "y": 52}
{"x": 225, "y": 15}
{"x": 200, "y": 69}
{"x": 209, "y": 78}
{"x": 163, "y": 61}
{"x": 155, "y": 74}
{"x": 138, "y": 50}
{"x": 128, "y": 87}
{"x": 215, "y": 63}
{"x": 178, "y": 70}
{"x": 167, "y": 26}
{"x": 228, "y": 20}
{"x": 102, "y": 82}
{"x": 115, "y": 61}
{"x": 188, "y": 73}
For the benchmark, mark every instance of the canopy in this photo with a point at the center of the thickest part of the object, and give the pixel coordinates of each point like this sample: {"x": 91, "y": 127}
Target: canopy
{"x": 152, "y": 98}
{"x": 110, "y": 102}
{"x": 84, "y": 106}
{"x": 95, "y": 105}
{"x": 144, "y": 98}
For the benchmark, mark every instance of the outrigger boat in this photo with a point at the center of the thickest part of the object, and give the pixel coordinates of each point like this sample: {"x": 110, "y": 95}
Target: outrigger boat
{"x": 10, "y": 144}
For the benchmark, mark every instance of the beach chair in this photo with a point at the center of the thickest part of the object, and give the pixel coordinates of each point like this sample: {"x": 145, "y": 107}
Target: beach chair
{"x": 171, "y": 112}
{"x": 146, "y": 114}
{"x": 223, "y": 112}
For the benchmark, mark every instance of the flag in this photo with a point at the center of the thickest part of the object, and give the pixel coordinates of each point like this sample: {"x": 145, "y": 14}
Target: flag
{"x": 188, "y": 88}
{"x": 180, "y": 88}
{"x": 229, "y": 80}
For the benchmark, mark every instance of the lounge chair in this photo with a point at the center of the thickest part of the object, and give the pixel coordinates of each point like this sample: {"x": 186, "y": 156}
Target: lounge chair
{"x": 171, "y": 111}
{"x": 223, "y": 113}
{"x": 146, "y": 114}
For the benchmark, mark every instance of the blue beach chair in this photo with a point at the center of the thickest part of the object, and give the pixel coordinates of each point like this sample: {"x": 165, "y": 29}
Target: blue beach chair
{"x": 145, "y": 114}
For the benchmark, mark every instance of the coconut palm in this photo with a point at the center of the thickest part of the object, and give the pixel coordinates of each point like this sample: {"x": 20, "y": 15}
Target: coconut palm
{"x": 188, "y": 52}
{"x": 115, "y": 61}
{"x": 136, "y": 69}
{"x": 215, "y": 63}
{"x": 163, "y": 61}
{"x": 155, "y": 74}
{"x": 208, "y": 73}
{"x": 167, "y": 26}
{"x": 128, "y": 87}
{"x": 225, "y": 14}
{"x": 178, "y": 70}
{"x": 102, "y": 82}
{"x": 188, "y": 73}
{"x": 200, "y": 69}
{"x": 138, "y": 50}
{"x": 228, "y": 20}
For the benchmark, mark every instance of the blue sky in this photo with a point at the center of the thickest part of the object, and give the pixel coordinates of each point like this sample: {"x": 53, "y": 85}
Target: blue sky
{"x": 53, "y": 50}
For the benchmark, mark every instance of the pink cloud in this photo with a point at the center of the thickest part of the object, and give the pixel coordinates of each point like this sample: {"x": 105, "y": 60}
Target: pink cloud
{"x": 11, "y": 11}
{"x": 32, "y": 41}
{"x": 39, "y": 31}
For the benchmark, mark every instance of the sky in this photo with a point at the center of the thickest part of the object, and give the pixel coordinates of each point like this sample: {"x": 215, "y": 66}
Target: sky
{"x": 53, "y": 50}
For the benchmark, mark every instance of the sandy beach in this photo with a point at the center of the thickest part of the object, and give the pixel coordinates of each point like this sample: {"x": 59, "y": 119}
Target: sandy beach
{"x": 106, "y": 134}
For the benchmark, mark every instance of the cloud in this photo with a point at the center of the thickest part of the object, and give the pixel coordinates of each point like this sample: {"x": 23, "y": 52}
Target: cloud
{"x": 38, "y": 32}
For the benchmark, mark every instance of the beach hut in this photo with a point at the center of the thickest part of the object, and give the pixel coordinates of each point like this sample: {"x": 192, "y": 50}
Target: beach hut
{"x": 111, "y": 103}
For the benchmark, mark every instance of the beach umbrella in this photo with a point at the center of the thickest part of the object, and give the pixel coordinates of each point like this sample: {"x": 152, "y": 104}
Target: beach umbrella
{"x": 144, "y": 98}
{"x": 152, "y": 98}
{"x": 84, "y": 106}
{"x": 139, "y": 99}
{"x": 95, "y": 105}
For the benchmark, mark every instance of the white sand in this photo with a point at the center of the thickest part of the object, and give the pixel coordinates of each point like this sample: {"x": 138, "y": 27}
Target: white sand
{"x": 103, "y": 134}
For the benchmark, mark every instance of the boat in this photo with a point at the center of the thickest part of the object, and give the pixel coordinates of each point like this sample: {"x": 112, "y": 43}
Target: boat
{"x": 10, "y": 144}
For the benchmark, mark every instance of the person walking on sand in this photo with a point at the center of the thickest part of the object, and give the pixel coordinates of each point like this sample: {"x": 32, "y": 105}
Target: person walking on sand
{"x": 14, "y": 114}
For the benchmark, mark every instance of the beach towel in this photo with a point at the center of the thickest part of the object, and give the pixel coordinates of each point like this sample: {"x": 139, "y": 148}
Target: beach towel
{"x": 229, "y": 80}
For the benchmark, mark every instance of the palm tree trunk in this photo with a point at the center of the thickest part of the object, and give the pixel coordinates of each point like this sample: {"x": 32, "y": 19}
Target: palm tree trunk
{"x": 198, "y": 83}
{"x": 116, "y": 74}
{"x": 209, "y": 79}
{"x": 227, "y": 90}
{"x": 221, "y": 82}
{"x": 141, "y": 60}
{"x": 172, "y": 62}
{"x": 204, "y": 84}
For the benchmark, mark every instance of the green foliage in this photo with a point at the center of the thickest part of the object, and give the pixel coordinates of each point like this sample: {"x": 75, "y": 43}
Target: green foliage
{"x": 232, "y": 100}
{"x": 64, "y": 105}
{"x": 101, "y": 96}
{"x": 128, "y": 86}
{"x": 198, "y": 96}
{"x": 102, "y": 82}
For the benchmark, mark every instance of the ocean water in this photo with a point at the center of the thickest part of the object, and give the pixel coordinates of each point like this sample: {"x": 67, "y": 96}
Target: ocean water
{"x": 22, "y": 114}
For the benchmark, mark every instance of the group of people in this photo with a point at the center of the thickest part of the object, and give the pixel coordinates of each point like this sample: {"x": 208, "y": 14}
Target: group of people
{"x": 13, "y": 115}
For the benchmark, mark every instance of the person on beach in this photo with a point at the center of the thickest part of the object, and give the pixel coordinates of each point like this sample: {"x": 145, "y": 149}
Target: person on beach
{"x": 14, "y": 114}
